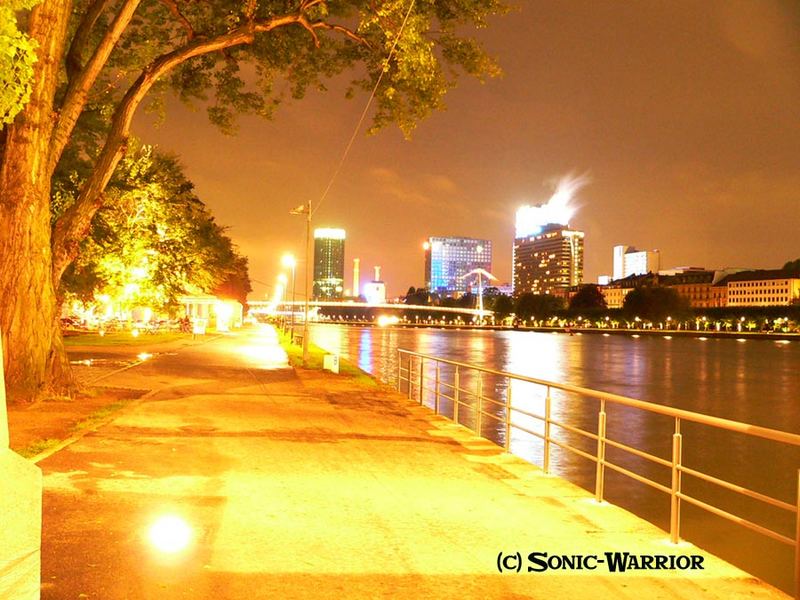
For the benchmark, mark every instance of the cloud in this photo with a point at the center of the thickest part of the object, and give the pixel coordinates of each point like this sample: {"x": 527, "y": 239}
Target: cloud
{"x": 426, "y": 190}
{"x": 441, "y": 183}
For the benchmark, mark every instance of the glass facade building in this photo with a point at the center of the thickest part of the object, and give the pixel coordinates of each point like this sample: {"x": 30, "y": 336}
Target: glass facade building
{"x": 328, "y": 264}
{"x": 449, "y": 259}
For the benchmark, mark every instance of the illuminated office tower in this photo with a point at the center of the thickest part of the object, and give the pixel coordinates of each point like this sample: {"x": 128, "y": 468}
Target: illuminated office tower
{"x": 547, "y": 260}
{"x": 449, "y": 259}
{"x": 328, "y": 264}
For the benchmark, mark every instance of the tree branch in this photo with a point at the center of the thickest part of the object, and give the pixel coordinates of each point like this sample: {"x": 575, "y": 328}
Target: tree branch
{"x": 307, "y": 25}
{"x": 172, "y": 5}
{"x": 73, "y": 225}
{"x": 79, "y": 87}
{"x": 74, "y": 60}
{"x": 344, "y": 30}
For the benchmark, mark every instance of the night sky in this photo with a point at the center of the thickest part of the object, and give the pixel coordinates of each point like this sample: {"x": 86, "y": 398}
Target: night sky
{"x": 686, "y": 115}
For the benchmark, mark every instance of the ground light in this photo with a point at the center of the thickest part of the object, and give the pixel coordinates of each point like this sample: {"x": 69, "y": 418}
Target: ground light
{"x": 170, "y": 534}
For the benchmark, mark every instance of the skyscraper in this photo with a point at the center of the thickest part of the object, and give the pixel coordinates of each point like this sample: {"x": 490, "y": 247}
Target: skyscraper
{"x": 449, "y": 259}
{"x": 328, "y": 264}
{"x": 548, "y": 261}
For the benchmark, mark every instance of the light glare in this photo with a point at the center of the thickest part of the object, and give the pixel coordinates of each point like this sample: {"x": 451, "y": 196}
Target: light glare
{"x": 557, "y": 210}
{"x": 170, "y": 534}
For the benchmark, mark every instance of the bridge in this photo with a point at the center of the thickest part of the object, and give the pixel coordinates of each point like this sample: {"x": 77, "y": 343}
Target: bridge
{"x": 286, "y": 307}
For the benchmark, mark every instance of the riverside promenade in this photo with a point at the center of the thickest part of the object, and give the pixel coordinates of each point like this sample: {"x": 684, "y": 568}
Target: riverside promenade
{"x": 303, "y": 484}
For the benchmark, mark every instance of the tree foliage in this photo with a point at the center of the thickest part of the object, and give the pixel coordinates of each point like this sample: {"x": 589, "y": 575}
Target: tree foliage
{"x": 502, "y": 305}
{"x": 588, "y": 298}
{"x": 793, "y": 266}
{"x": 237, "y": 57}
{"x": 537, "y": 306}
{"x": 153, "y": 240}
{"x": 418, "y": 296}
{"x": 655, "y": 303}
{"x": 17, "y": 55}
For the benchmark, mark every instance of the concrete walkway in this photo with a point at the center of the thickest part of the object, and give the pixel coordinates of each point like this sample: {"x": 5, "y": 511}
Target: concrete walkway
{"x": 305, "y": 485}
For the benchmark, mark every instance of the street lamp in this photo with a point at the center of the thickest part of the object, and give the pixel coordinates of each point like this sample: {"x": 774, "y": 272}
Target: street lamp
{"x": 305, "y": 209}
{"x": 281, "y": 288}
{"x": 289, "y": 262}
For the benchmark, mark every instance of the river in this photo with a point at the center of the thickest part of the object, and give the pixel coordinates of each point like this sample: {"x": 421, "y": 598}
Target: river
{"x": 753, "y": 381}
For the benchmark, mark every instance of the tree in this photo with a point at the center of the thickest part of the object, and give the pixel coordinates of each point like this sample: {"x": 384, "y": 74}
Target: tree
{"x": 111, "y": 55}
{"x": 153, "y": 240}
{"x": 654, "y": 303}
{"x": 236, "y": 284}
{"x": 467, "y": 300}
{"x": 502, "y": 305}
{"x": 538, "y": 306}
{"x": 588, "y": 298}
{"x": 793, "y": 266}
{"x": 419, "y": 296}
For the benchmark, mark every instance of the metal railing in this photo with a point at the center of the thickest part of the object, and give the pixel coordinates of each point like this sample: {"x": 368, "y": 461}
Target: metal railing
{"x": 413, "y": 372}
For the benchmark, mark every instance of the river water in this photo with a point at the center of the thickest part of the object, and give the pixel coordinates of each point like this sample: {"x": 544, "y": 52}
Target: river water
{"x": 754, "y": 381}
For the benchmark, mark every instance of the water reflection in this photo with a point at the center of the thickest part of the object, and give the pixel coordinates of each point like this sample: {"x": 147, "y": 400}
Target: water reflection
{"x": 753, "y": 382}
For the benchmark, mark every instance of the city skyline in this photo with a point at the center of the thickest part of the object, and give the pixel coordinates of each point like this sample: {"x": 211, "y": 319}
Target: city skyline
{"x": 686, "y": 121}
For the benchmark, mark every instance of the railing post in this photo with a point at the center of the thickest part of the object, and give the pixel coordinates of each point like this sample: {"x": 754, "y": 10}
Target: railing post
{"x": 675, "y": 501}
{"x": 421, "y": 379}
{"x": 399, "y": 368}
{"x": 546, "y": 465}
{"x": 507, "y": 440}
{"x": 456, "y": 394}
{"x": 601, "y": 452}
{"x": 410, "y": 364}
{"x": 479, "y": 405}
{"x": 436, "y": 395}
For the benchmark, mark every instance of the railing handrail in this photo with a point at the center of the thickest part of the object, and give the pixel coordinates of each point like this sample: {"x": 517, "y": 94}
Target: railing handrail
{"x": 737, "y": 426}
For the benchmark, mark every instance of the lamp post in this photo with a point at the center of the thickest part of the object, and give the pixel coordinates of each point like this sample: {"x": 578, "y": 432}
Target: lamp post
{"x": 305, "y": 209}
{"x": 289, "y": 261}
{"x": 280, "y": 289}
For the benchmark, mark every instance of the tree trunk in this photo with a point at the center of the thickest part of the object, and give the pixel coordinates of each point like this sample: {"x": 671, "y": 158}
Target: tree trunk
{"x": 27, "y": 300}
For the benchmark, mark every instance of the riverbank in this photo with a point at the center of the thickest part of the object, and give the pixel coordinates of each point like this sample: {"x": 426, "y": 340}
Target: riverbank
{"x": 733, "y": 335}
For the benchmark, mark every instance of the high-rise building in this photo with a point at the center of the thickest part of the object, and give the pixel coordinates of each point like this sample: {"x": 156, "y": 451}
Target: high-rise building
{"x": 328, "y": 264}
{"x": 449, "y": 259}
{"x": 630, "y": 261}
{"x": 356, "y": 277}
{"x": 548, "y": 261}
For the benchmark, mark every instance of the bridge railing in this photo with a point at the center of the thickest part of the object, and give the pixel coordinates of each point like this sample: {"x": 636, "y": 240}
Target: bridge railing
{"x": 418, "y": 374}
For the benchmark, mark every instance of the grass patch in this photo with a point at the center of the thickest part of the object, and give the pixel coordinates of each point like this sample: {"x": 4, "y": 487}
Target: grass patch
{"x": 38, "y": 447}
{"x": 90, "y": 422}
{"x": 315, "y": 360}
{"x": 98, "y": 416}
{"x": 124, "y": 338}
